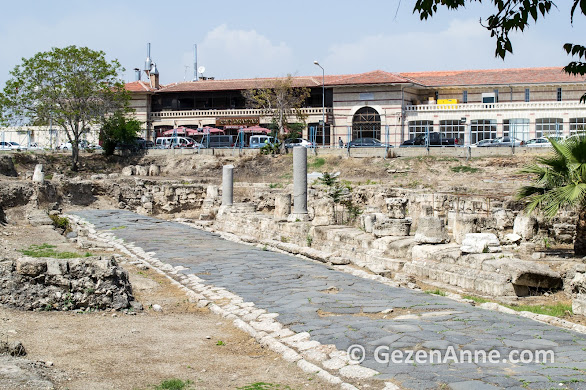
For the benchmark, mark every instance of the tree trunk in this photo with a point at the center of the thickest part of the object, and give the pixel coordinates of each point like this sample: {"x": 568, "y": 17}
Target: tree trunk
{"x": 580, "y": 240}
{"x": 74, "y": 156}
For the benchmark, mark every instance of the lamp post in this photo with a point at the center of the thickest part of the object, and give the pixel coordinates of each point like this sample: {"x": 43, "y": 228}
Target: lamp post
{"x": 323, "y": 102}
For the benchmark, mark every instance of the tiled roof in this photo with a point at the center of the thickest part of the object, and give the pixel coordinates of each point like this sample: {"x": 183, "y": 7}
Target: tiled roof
{"x": 429, "y": 79}
{"x": 236, "y": 84}
{"x": 139, "y": 86}
{"x": 492, "y": 77}
{"x": 374, "y": 77}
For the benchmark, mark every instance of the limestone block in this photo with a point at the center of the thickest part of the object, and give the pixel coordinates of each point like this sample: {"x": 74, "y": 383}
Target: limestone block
{"x": 212, "y": 191}
{"x": 503, "y": 219}
{"x": 324, "y": 213}
{"x": 526, "y": 226}
{"x": 56, "y": 266}
{"x": 154, "y": 170}
{"x": 367, "y": 220}
{"x": 30, "y": 266}
{"x": 392, "y": 227}
{"x": 564, "y": 232}
{"x": 128, "y": 171}
{"x": 463, "y": 224}
{"x": 397, "y": 208}
{"x": 512, "y": 238}
{"x": 431, "y": 230}
{"x": 579, "y": 304}
{"x": 141, "y": 171}
{"x": 282, "y": 206}
{"x": 480, "y": 243}
{"x": 39, "y": 175}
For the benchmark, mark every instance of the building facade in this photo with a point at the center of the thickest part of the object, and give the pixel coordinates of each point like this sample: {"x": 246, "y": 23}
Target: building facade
{"x": 392, "y": 107}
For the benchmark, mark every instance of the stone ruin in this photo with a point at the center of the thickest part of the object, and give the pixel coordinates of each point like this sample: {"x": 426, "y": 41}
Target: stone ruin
{"x": 64, "y": 284}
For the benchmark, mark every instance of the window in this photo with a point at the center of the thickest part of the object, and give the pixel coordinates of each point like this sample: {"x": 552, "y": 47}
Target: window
{"x": 547, "y": 127}
{"x": 419, "y": 127}
{"x": 496, "y": 95}
{"x": 516, "y": 128}
{"x": 453, "y": 128}
{"x": 482, "y": 129}
{"x": 436, "y": 96}
{"x": 527, "y": 94}
{"x": 465, "y": 97}
{"x": 577, "y": 126}
{"x": 317, "y": 133}
{"x": 366, "y": 123}
{"x": 559, "y": 94}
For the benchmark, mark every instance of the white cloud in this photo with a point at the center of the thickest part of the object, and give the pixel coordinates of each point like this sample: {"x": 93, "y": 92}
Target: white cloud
{"x": 462, "y": 44}
{"x": 228, "y": 53}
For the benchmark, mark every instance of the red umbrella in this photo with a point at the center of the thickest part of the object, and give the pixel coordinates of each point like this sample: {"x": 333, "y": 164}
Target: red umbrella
{"x": 255, "y": 129}
{"x": 210, "y": 130}
{"x": 180, "y": 131}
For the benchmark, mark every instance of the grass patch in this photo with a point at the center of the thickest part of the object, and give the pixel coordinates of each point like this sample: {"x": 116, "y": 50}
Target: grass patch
{"x": 264, "y": 386}
{"x": 556, "y": 310}
{"x": 61, "y": 223}
{"x": 275, "y": 185}
{"x": 46, "y": 250}
{"x": 475, "y": 299}
{"x": 464, "y": 169}
{"x": 174, "y": 384}
{"x": 316, "y": 163}
{"x": 118, "y": 227}
{"x": 437, "y": 291}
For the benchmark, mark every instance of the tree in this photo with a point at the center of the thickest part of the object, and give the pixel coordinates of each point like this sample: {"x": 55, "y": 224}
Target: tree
{"x": 514, "y": 15}
{"x": 281, "y": 101}
{"x": 560, "y": 183}
{"x": 117, "y": 129}
{"x": 74, "y": 87}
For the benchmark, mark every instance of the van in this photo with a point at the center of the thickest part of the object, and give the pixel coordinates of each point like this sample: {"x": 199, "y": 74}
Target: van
{"x": 258, "y": 141}
{"x": 217, "y": 141}
{"x": 175, "y": 142}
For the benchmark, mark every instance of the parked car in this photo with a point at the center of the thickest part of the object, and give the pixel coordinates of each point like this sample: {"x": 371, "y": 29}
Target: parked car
{"x": 541, "y": 142}
{"x": 34, "y": 146}
{"x": 258, "y": 141}
{"x": 10, "y": 145}
{"x": 367, "y": 143}
{"x": 481, "y": 143}
{"x": 292, "y": 142}
{"x": 435, "y": 139}
{"x": 83, "y": 144}
{"x": 217, "y": 141}
{"x": 171, "y": 142}
{"x": 504, "y": 142}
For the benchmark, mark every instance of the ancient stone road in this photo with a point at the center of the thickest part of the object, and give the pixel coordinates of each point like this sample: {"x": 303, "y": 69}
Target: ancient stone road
{"x": 342, "y": 309}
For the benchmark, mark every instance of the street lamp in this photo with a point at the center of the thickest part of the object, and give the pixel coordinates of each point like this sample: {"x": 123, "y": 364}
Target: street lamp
{"x": 323, "y": 102}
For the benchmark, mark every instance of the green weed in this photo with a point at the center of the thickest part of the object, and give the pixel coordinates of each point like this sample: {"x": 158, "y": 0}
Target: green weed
{"x": 174, "y": 384}
{"x": 46, "y": 250}
{"x": 437, "y": 291}
{"x": 264, "y": 386}
{"x": 464, "y": 169}
{"x": 316, "y": 163}
{"x": 555, "y": 310}
{"x": 475, "y": 299}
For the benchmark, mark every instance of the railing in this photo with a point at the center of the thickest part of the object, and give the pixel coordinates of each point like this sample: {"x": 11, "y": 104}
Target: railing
{"x": 228, "y": 113}
{"x": 494, "y": 106}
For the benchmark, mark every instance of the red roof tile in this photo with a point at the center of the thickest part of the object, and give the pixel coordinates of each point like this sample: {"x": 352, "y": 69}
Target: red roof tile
{"x": 492, "y": 77}
{"x": 139, "y": 86}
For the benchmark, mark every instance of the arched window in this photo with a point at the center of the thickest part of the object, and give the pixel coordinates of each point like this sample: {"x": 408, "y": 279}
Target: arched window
{"x": 366, "y": 123}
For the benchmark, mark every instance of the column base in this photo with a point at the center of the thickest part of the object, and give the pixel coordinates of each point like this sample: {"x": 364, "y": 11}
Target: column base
{"x": 298, "y": 217}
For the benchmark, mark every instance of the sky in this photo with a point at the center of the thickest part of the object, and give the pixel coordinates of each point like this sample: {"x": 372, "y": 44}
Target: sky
{"x": 247, "y": 39}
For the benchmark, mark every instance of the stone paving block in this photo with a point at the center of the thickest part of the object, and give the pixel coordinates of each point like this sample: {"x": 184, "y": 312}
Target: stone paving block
{"x": 282, "y": 283}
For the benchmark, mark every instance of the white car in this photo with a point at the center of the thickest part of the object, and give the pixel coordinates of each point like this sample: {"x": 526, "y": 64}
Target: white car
{"x": 292, "y": 142}
{"x": 11, "y": 145}
{"x": 64, "y": 146}
{"x": 538, "y": 143}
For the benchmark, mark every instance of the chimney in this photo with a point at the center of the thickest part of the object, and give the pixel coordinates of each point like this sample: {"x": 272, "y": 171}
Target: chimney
{"x": 148, "y": 62}
{"x": 154, "y": 76}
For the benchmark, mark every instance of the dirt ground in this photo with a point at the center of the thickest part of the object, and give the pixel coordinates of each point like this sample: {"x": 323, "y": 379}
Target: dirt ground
{"x": 112, "y": 350}
{"x": 496, "y": 176}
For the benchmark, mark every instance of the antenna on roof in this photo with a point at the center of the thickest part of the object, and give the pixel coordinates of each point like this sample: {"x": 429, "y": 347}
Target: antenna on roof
{"x": 195, "y": 78}
{"x": 148, "y": 63}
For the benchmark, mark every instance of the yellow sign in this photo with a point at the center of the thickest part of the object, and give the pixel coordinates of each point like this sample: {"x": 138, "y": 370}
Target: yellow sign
{"x": 238, "y": 121}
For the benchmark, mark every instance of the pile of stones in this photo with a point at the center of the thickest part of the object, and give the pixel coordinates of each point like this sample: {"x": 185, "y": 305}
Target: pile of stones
{"x": 64, "y": 284}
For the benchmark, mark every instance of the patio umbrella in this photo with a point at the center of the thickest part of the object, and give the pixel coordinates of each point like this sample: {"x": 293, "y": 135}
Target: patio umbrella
{"x": 180, "y": 131}
{"x": 255, "y": 129}
{"x": 209, "y": 130}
